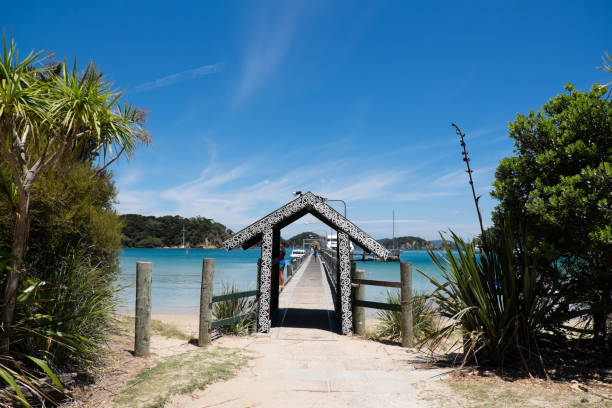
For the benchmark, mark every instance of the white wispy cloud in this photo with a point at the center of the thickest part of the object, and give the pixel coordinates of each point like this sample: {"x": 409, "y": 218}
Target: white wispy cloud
{"x": 418, "y": 196}
{"x": 179, "y": 77}
{"x": 367, "y": 186}
{"x": 222, "y": 191}
{"x": 270, "y": 39}
{"x": 390, "y": 221}
{"x": 459, "y": 178}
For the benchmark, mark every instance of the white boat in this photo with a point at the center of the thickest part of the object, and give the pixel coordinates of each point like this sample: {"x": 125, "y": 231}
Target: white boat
{"x": 332, "y": 242}
{"x": 297, "y": 253}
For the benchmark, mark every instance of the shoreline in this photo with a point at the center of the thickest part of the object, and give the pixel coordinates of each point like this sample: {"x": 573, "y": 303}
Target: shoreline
{"x": 190, "y": 323}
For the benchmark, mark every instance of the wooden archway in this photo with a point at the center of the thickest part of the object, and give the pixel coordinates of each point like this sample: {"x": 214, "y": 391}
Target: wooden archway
{"x": 267, "y": 230}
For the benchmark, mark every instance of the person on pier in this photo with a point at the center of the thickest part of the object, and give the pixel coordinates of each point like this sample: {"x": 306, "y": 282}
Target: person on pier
{"x": 281, "y": 264}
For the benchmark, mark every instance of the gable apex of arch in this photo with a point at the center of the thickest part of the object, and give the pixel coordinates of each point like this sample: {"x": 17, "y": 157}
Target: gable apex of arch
{"x": 306, "y": 203}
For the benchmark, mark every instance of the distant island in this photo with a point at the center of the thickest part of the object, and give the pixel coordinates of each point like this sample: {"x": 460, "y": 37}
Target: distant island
{"x": 408, "y": 242}
{"x": 140, "y": 231}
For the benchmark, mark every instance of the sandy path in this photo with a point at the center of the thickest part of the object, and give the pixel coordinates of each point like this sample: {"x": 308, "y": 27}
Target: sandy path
{"x": 313, "y": 367}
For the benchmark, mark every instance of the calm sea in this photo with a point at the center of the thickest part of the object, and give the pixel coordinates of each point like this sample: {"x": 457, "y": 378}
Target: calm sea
{"x": 177, "y": 275}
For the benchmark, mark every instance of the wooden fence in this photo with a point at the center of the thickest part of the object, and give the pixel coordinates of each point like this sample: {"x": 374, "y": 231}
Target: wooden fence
{"x": 405, "y": 306}
{"x": 144, "y": 273}
{"x": 358, "y": 295}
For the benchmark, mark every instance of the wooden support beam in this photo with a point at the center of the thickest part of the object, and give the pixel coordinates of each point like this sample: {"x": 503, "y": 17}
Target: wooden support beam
{"x": 142, "y": 328}
{"x": 275, "y": 270}
{"x": 406, "y": 303}
{"x": 358, "y": 311}
{"x": 206, "y": 292}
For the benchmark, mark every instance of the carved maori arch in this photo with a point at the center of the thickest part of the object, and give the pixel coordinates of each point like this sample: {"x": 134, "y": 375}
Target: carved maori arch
{"x": 263, "y": 323}
{"x": 344, "y": 270}
{"x": 346, "y": 230}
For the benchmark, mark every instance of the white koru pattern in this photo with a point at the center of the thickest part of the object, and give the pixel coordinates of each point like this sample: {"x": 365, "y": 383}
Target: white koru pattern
{"x": 344, "y": 265}
{"x": 346, "y": 230}
{"x": 266, "y": 281}
{"x": 314, "y": 204}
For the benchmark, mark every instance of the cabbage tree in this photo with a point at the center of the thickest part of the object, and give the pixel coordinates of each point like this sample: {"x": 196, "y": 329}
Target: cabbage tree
{"x": 50, "y": 115}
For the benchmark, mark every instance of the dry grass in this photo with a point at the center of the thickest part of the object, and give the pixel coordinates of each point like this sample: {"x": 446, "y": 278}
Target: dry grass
{"x": 180, "y": 374}
{"x": 157, "y": 327}
{"x": 475, "y": 391}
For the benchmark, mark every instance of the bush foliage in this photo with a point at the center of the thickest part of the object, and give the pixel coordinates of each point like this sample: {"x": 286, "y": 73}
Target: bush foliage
{"x": 73, "y": 261}
{"x": 141, "y": 231}
{"x": 559, "y": 183}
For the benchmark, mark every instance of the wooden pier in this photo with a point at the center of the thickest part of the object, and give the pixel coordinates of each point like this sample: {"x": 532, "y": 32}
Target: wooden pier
{"x": 307, "y": 302}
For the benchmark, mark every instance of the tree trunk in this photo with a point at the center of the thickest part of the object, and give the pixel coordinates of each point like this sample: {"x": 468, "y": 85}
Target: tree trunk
{"x": 12, "y": 283}
{"x": 600, "y": 330}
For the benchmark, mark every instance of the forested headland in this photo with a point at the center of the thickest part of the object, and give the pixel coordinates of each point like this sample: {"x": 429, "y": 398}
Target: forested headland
{"x": 140, "y": 231}
{"x": 408, "y": 242}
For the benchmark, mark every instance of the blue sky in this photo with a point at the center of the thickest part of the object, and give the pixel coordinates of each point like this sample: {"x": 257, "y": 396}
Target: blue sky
{"x": 250, "y": 101}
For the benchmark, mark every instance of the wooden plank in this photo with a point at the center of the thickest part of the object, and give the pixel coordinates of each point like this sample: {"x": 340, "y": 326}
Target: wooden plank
{"x": 142, "y": 329}
{"x": 230, "y": 320}
{"x": 206, "y": 291}
{"x": 406, "y": 302}
{"x": 377, "y": 305}
{"x": 358, "y": 295}
{"x": 237, "y": 295}
{"x": 378, "y": 283}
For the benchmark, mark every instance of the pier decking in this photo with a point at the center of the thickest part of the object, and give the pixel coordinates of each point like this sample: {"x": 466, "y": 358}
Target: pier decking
{"x": 306, "y": 306}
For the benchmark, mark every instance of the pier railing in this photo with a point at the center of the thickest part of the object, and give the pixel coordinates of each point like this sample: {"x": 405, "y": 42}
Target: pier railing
{"x": 359, "y": 282}
{"x": 328, "y": 258}
{"x": 330, "y": 264}
{"x": 234, "y": 319}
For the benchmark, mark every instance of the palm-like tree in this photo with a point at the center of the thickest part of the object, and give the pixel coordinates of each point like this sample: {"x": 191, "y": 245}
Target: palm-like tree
{"x": 50, "y": 115}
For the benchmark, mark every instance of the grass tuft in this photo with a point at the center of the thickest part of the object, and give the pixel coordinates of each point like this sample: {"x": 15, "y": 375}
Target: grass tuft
{"x": 157, "y": 327}
{"x": 236, "y": 307}
{"x": 181, "y": 374}
{"x": 423, "y": 316}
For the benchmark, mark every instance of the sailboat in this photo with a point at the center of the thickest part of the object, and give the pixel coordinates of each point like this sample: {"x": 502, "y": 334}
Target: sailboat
{"x": 183, "y": 246}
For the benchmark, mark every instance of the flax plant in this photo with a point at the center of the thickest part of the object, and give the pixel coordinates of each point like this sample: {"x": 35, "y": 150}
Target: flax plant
{"x": 489, "y": 296}
{"x": 24, "y": 377}
{"x": 423, "y": 316}
{"x": 236, "y": 307}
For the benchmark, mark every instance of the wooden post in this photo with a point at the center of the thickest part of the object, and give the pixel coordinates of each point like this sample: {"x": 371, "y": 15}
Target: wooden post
{"x": 206, "y": 292}
{"x": 406, "y": 302}
{"x": 258, "y": 277}
{"x": 142, "y": 329}
{"x": 289, "y": 271}
{"x": 275, "y": 279}
{"x": 358, "y": 294}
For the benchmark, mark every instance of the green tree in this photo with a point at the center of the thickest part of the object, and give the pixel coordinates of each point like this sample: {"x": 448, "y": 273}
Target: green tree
{"x": 50, "y": 115}
{"x": 559, "y": 185}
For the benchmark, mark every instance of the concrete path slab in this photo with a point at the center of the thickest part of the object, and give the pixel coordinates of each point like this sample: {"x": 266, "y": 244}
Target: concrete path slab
{"x": 305, "y": 363}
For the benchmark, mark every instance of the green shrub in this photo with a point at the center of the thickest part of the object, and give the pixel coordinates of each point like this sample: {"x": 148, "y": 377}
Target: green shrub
{"x": 423, "y": 316}
{"x": 233, "y": 308}
{"x": 73, "y": 313}
{"x": 73, "y": 257}
{"x": 22, "y": 375}
{"x": 489, "y": 297}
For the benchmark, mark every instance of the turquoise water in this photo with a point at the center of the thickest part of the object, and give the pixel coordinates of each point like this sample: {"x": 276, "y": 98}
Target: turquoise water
{"x": 177, "y": 275}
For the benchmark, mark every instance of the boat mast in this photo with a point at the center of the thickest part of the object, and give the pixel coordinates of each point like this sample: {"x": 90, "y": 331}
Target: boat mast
{"x": 393, "y": 231}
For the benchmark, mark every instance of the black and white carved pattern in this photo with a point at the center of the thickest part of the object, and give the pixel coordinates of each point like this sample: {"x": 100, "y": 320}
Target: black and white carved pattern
{"x": 346, "y": 230}
{"x": 344, "y": 264}
{"x": 266, "y": 281}
{"x": 314, "y": 203}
